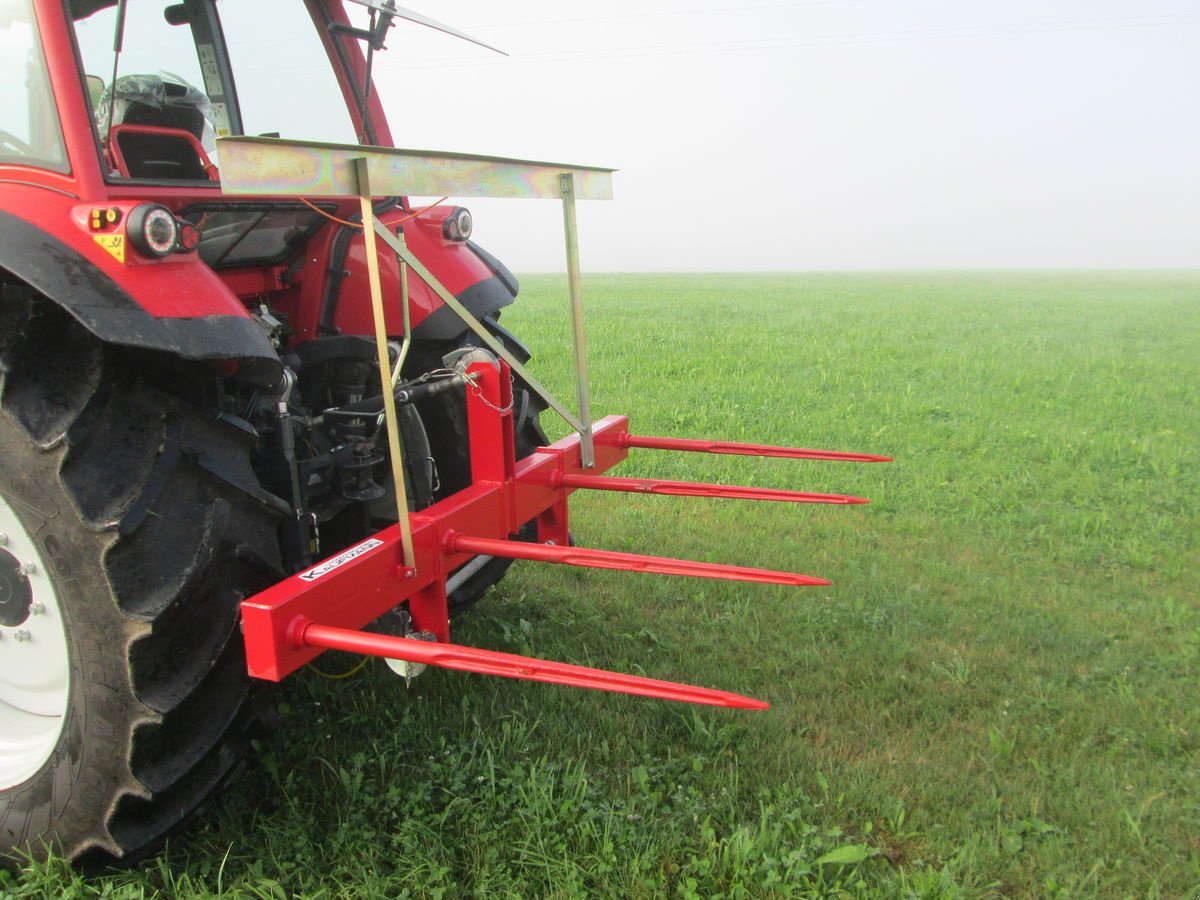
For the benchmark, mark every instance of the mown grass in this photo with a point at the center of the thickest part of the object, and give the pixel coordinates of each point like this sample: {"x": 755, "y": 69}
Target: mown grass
{"x": 996, "y": 697}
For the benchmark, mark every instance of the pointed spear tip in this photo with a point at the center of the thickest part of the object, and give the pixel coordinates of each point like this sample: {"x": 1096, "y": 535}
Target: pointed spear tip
{"x": 727, "y": 699}
{"x": 810, "y": 581}
{"x": 713, "y": 697}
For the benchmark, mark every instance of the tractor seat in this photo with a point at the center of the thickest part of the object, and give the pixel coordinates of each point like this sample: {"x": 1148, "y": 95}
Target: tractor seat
{"x": 159, "y": 123}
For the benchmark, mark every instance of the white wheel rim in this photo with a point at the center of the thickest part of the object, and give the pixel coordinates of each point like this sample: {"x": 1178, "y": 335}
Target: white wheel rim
{"x": 35, "y": 667}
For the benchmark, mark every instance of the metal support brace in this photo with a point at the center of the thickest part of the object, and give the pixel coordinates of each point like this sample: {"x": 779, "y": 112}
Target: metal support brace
{"x": 395, "y": 449}
{"x": 575, "y": 288}
{"x": 489, "y": 339}
{"x": 407, "y": 318}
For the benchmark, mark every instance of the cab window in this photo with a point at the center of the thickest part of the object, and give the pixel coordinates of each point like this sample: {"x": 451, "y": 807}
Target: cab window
{"x": 285, "y": 84}
{"x": 150, "y": 46}
{"x": 30, "y": 133}
{"x": 155, "y": 120}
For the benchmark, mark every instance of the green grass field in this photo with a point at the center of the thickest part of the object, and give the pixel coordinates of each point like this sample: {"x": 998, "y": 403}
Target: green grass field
{"x": 997, "y": 696}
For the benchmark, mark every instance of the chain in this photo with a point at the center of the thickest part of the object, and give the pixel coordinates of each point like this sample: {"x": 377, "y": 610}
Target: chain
{"x": 474, "y": 388}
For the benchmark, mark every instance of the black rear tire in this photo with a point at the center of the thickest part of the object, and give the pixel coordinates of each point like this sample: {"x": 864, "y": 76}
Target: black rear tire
{"x": 152, "y": 527}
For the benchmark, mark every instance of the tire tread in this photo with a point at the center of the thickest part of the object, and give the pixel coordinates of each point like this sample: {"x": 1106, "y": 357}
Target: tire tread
{"x": 170, "y": 540}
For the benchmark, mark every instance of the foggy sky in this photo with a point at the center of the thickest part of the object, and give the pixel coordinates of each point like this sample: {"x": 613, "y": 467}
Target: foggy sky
{"x": 826, "y": 135}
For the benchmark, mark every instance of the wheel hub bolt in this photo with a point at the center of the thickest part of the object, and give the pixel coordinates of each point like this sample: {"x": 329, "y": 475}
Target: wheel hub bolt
{"x": 3, "y": 538}
{"x": 22, "y": 635}
{"x": 26, "y": 569}
{"x": 37, "y": 607}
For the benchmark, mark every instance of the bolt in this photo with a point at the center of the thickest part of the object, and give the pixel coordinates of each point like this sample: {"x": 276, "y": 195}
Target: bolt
{"x": 21, "y": 635}
{"x": 37, "y": 607}
{"x": 26, "y": 569}
{"x": 3, "y": 538}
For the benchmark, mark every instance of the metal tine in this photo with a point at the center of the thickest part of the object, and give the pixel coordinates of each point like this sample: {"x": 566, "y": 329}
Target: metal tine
{"x": 510, "y": 665}
{"x": 698, "y": 489}
{"x": 657, "y": 443}
{"x": 626, "y": 562}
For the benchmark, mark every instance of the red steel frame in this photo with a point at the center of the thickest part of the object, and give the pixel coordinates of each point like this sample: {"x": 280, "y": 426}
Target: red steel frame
{"x": 294, "y": 621}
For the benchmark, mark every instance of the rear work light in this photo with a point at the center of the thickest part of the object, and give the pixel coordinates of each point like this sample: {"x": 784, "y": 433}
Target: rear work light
{"x": 153, "y": 230}
{"x": 458, "y": 225}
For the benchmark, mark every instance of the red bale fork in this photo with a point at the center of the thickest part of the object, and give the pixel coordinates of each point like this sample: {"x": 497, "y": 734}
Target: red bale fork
{"x": 325, "y": 606}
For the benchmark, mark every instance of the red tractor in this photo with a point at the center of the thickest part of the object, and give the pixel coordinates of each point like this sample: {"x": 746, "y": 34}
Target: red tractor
{"x": 236, "y": 428}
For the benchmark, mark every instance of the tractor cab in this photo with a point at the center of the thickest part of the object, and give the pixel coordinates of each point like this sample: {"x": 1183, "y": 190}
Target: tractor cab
{"x": 124, "y": 104}
{"x": 113, "y": 211}
{"x": 161, "y": 88}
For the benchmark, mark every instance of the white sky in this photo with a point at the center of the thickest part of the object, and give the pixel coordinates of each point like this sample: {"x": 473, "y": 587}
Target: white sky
{"x": 825, "y": 134}
{"x": 812, "y": 134}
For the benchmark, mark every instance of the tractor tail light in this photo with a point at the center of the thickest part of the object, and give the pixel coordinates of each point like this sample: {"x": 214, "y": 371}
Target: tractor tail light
{"x": 458, "y": 225}
{"x": 153, "y": 230}
{"x": 189, "y": 237}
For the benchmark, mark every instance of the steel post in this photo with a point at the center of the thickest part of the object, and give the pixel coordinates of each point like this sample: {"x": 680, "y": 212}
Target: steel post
{"x": 575, "y": 289}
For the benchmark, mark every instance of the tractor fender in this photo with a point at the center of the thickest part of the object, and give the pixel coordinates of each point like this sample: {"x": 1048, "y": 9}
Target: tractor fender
{"x": 478, "y": 280}
{"x": 483, "y": 299}
{"x": 103, "y": 307}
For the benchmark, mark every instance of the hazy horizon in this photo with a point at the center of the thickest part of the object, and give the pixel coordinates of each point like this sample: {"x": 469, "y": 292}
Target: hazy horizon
{"x": 881, "y": 270}
{"x": 830, "y": 135}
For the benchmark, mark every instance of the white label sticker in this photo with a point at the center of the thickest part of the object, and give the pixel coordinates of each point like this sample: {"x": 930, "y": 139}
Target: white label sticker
{"x": 220, "y": 114}
{"x": 340, "y": 560}
{"x": 208, "y": 68}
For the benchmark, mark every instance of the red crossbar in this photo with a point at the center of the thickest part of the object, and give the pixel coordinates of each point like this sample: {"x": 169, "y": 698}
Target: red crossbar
{"x": 626, "y": 562}
{"x": 491, "y": 662}
{"x": 657, "y": 443}
{"x": 698, "y": 489}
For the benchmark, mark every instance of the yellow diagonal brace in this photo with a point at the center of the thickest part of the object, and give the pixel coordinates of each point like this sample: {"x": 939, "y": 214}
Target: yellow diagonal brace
{"x": 395, "y": 450}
